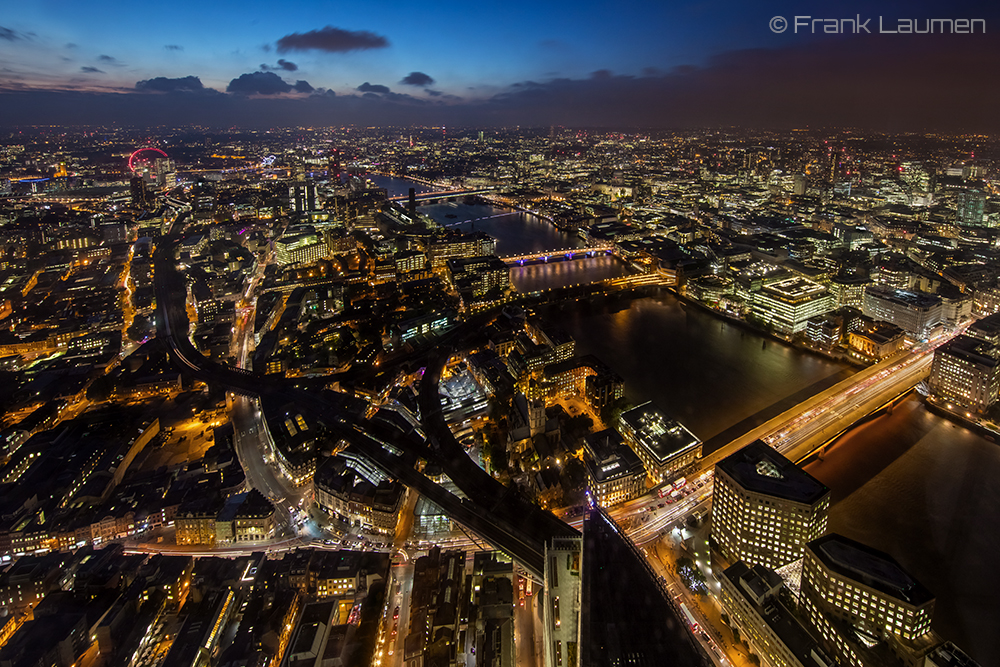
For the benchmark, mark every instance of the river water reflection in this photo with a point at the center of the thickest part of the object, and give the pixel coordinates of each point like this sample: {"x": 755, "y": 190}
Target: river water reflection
{"x": 924, "y": 490}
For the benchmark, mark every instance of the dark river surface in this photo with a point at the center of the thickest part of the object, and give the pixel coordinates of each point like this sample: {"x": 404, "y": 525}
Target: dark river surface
{"x": 910, "y": 483}
{"x": 925, "y": 490}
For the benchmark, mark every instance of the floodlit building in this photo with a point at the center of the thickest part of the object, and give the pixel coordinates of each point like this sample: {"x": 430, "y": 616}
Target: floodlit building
{"x": 299, "y": 249}
{"x": 765, "y": 508}
{"x": 664, "y": 445}
{"x": 614, "y": 472}
{"x": 966, "y": 372}
{"x": 851, "y": 591}
{"x": 788, "y": 304}
{"x": 916, "y": 313}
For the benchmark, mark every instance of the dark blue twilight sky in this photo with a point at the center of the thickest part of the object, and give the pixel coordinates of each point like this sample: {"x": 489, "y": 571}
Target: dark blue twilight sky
{"x": 650, "y": 64}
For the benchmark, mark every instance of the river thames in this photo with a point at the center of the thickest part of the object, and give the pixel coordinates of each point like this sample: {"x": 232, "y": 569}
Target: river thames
{"x": 911, "y": 483}
{"x": 924, "y": 489}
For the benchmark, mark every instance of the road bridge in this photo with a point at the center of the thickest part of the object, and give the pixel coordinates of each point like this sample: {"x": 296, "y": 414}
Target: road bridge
{"x": 557, "y": 255}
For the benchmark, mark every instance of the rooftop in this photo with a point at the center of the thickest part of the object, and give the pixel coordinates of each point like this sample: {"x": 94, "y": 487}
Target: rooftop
{"x": 869, "y": 566}
{"x": 662, "y": 436}
{"x": 759, "y": 468}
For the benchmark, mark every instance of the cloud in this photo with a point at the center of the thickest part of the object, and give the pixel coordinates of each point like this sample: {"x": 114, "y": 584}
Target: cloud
{"x": 173, "y": 47}
{"x": 282, "y": 65}
{"x": 91, "y": 70}
{"x": 434, "y": 93}
{"x": 162, "y": 84}
{"x": 332, "y": 40}
{"x": 373, "y": 88}
{"x": 265, "y": 83}
{"x": 601, "y": 74}
{"x": 417, "y": 79}
{"x": 71, "y": 45}
{"x": 10, "y": 35}
{"x": 106, "y": 58}
{"x": 258, "y": 83}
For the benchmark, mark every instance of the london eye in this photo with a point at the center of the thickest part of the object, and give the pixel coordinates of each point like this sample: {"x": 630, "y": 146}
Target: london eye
{"x": 143, "y": 161}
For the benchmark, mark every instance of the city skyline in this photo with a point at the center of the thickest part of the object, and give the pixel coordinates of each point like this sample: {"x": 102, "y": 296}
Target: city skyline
{"x": 641, "y": 65}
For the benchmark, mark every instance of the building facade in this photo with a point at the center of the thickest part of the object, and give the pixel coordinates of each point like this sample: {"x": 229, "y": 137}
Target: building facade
{"x": 765, "y": 508}
{"x": 664, "y": 445}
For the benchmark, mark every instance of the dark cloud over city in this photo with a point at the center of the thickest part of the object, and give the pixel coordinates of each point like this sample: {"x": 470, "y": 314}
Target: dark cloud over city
{"x": 908, "y": 82}
{"x": 331, "y": 40}
{"x": 417, "y": 79}
{"x": 164, "y": 85}
{"x": 373, "y": 88}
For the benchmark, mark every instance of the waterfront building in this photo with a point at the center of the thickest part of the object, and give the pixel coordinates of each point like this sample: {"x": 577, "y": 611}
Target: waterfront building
{"x": 966, "y": 372}
{"x": 916, "y": 313}
{"x": 876, "y": 341}
{"x": 765, "y": 508}
{"x": 857, "y": 596}
{"x": 788, "y": 304}
{"x": 664, "y": 445}
{"x": 478, "y": 275}
{"x": 455, "y": 245}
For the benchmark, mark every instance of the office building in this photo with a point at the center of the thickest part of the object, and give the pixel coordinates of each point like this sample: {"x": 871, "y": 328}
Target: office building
{"x": 971, "y": 208}
{"x": 453, "y": 245}
{"x": 857, "y": 596}
{"x": 299, "y": 249}
{"x": 788, "y": 304}
{"x": 751, "y": 597}
{"x": 664, "y": 445}
{"x": 765, "y": 508}
{"x": 966, "y": 372}
{"x": 614, "y": 472}
{"x": 302, "y": 197}
{"x": 477, "y": 276}
{"x": 916, "y": 313}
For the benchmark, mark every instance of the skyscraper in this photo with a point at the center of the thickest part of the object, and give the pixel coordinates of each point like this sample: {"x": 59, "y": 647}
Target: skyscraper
{"x": 971, "y": 207}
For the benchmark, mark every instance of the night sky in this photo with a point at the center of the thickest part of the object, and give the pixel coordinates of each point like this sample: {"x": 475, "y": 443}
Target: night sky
{"x": 633, "y": 64}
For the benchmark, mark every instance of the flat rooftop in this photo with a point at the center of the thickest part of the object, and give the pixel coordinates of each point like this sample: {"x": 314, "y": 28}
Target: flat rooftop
{"x": 795, "y": 289}
{"x": 662, "y": 436}
{"x": 760, "y": 469}
{"x": 869, "y": 566}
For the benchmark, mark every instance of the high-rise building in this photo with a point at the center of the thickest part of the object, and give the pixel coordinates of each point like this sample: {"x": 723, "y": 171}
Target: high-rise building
{"x": 664, "y": 445}
{"x": 966, "y": 372}
{"x": 140, "y": 196}
{"x": 765, "y": 508}
{"x": 850, "y": 590}
{"x": 302, "y": 197}
{"x": 971, "y": 207}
